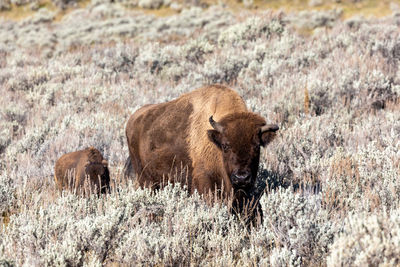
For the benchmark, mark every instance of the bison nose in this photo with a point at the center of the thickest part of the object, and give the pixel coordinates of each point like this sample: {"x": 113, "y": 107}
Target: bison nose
{"x": 242, "y": 176}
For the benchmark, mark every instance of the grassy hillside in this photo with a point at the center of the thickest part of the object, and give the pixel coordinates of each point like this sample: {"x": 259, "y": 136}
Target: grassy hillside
{"x": 71, "y": 81}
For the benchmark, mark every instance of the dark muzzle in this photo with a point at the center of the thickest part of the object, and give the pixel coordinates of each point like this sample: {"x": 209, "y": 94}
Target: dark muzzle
{"x": 241, "y": 178}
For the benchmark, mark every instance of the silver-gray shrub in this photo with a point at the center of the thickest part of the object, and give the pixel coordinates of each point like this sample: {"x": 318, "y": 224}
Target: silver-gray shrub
{"x": 368, "y": 240}
{"x": 252, "y": 29}
{"x": 73, "y": 82}
{"x": 299, "y": 224}
{"x": 226, "y": 71}
{"x": 13, "y": 119}
{"x": 26, "y": 81}
{"x": 364, "y": 181}
{"x": 313, "y": 19}
{"x": 63, "y": 4}
{"x": 115, "y": 59}
{"x": 299, "y": 159}
{"x": 130, "y": 226}
{"x": 7, "y": 195}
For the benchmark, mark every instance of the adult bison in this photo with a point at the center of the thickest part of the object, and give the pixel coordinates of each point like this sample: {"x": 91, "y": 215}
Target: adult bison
{"x": 207, "y": 139}
{"x": 83, "y": 171}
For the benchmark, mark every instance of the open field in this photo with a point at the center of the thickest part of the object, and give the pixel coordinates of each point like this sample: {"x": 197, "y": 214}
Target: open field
{"x": 17, "y": 9}
{"x": 70, "y": 79}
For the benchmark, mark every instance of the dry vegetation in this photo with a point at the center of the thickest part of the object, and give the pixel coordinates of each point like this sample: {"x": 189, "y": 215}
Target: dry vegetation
{"x": 333, "y": 188}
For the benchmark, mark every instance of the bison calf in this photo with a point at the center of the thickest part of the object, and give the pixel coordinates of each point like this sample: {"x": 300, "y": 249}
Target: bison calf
{"x": 208, "y": 137}
{"x": 83, "y": 171}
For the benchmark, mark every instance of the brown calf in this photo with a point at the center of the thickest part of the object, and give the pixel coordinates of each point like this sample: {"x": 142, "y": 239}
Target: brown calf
{"x": 85, "y": 167}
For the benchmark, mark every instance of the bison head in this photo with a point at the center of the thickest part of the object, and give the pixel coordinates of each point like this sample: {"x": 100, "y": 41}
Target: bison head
{"x": 239, "y": 136}
{"x": 100, "y": 174}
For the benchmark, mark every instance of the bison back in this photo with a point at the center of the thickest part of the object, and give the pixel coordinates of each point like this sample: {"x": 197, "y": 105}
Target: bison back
{"x": 66, "y": 170}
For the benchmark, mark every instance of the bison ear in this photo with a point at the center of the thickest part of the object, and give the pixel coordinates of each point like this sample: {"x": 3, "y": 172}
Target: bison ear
{"x": 215, "y": 137}
{"x": 268, "y": 133}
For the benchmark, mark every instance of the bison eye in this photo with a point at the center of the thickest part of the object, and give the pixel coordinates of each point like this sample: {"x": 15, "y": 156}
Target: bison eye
{"x": 225, "y": 147}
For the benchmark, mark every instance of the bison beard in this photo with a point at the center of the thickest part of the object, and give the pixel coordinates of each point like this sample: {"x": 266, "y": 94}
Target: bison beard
{"x": 211, "y": 138}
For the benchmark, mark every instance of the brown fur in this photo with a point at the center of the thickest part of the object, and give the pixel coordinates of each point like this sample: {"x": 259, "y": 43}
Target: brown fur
{"x": 177, "y": 137}
{"x": 72, "y": 169}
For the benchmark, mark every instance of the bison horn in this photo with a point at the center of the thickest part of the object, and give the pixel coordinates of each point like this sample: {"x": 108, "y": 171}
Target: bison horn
{"x": 269, "y": 128}
{"x": 216, "y": 125}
